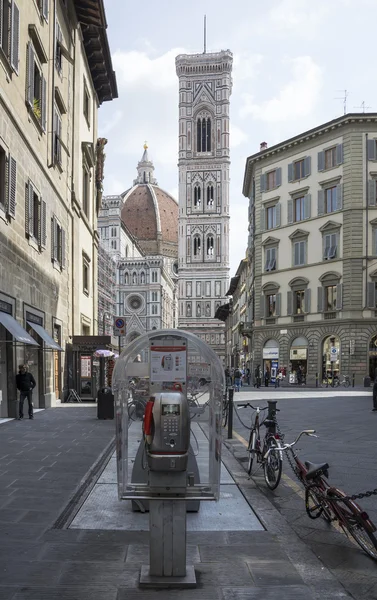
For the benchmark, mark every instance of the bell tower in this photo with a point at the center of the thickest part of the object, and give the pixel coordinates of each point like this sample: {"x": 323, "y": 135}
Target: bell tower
{"x": 205, "y": 86}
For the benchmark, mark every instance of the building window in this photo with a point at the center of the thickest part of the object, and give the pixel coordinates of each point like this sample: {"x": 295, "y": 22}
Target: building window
{"x": 113, "y": 244}
{"x": 330, "y": 298}
{"x": 58, "y": 49}
{"x": 57, "y": 137}
{"x": 270, "y": 262}
{"x": 330, "y": 158}
{"x": 154, "y": 276}
{"x": 197, "y": 245}
{"x": 204, "y": 134}
{"x": 154, "y": 296}
{"x": 10, "y": 32}
{"x": 36, "y": 88}
{"x": 8, "y": 183}
{"x": 197, "y": 196}
{"x": 85, "y": 275}
{"x": 331, "y": 199}
{"x": 86, "y": 104}
{"x": 3, "y": 177}
{"x": 35, "y": 216}
{"x": 114, "y": 232}
{"x": 271, "y": 180}
{"x": 126, "y": 278}
{"x": 299, "y": 302}
{"x": 299, "y": 208}
{"x": 85, "y": 188}
{"x": 154, "y": 309}
{"x": 210, "y": 244}
{"x": 299, "y": 253}
{"x": 210, "y": 196}
{"x": 330, "y": 246}
{"x": 57, "y": 243}
{"x": 271, "y": 305}
{"x": 299, "y": 169}
{"x": 271, "y": 217}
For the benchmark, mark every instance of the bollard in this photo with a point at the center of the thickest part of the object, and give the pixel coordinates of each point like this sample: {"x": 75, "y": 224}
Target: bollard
{"x": 230, "y": 412}
{"x": 271, "y": 409}
{"x": 316, "y": 380}
{"x": 353, "y": 379}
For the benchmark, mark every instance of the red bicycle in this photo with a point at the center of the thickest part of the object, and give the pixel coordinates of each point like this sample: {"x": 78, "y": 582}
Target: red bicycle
{"x": 330, "y": 503}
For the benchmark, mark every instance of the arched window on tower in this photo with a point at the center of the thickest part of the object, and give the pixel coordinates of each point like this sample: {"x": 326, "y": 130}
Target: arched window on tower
{"x": 210, "y": 244}
{"x": 144, "y": 178}
{"x": 197, "y": 245}
{"x": 134, "y": 278}
{"x": 126, "y": 278}
{"x": 203, "y": 135}
{"x": 197, "y": 196}
{"x": 210, "y": 195}
{"x": 142, "y": 277}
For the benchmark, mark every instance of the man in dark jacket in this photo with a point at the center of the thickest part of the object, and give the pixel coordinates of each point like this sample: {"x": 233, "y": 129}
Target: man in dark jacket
{"x": 25, "y": 383}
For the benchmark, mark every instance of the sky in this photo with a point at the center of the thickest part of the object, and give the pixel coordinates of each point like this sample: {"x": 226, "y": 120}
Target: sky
{"x": 292, "y": 62}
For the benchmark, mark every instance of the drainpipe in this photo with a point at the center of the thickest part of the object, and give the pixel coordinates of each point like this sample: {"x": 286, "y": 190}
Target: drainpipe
{"x": 73, "y": 181}
{"x": 53, "y": 87}
{"x": 366, "y": 220}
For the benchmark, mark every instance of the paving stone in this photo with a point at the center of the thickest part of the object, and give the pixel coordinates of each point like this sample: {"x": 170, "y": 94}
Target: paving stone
{"x": 222, "y": 574}
{"x": 67, "y": 593}
{"x": 274, "y": 572}
{"x": 139, "y": 553}
{"x": 241, "y": 553}
{"x": 116, "y": 574}
{"x": 250, "y": 537}
{"x": 38, "y": 516}
{"x": 190, "y": 594}
{"x": 11, "y": 516}
{"x": 60, "y": 535}
{"x": 209, "y": 538}
{"x": 20, "y": 532}
{"x": 125, "y": 537}
{"x": 272, "y": 593}
{"x": 6, "y": 593}
{"x": 27, "y": 573}
{"x": 81, "y": 551}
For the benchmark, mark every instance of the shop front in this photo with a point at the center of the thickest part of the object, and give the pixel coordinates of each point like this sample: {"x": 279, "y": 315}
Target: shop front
{"x": 373, "y": 357}
{"x": 87, "y": 371}
{"x": 270, "y": 360}
{"x": 298, "y": 360}
{"x": 330, "y": 359}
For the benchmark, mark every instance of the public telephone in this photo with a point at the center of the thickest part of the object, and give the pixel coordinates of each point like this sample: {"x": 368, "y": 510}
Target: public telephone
{"x": 167, "y": 431}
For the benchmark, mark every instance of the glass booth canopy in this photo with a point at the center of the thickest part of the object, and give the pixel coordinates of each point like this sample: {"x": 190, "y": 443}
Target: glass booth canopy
{"x": 163, "y": 361}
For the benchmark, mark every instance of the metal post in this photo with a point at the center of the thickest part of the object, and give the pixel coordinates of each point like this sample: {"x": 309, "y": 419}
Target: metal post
{"x": 353, "y": 379}
{"x": 271, "y": 409}
{"x": 316, "y": 380}
{"x": 230, "y": 412}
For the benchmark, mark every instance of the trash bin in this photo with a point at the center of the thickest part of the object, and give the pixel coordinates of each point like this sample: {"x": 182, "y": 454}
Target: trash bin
{"x": 105, "y": 404}
{"x": 366, "y": 381}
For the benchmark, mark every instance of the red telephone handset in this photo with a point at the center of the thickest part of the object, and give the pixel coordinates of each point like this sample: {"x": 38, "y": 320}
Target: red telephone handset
{"x": 148, "y": 421}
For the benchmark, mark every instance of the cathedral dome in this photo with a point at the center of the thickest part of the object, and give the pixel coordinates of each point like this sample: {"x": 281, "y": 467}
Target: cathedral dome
{"x": 150, "y": 213}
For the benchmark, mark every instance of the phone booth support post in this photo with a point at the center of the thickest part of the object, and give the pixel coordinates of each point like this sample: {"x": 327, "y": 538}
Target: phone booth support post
{"x": 183, "y": 384}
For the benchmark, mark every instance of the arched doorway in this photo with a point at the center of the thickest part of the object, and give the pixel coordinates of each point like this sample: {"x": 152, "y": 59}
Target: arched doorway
{"x": 271, "y": 359}
{"x": 373, "y": 357}
{"x": 330, "y": 358}
{"x": 298, "y": 360}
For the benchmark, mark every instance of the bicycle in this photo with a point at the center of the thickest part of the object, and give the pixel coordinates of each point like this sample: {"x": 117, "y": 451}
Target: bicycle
{"x": 330, "y": 503}
{"x": 345, "y": 381}
{"x": 267, "y": 451}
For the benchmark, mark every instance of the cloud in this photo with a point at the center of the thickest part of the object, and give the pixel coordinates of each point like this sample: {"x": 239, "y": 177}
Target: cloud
{"x": 111, "y": 122}
{"x": 136, "y": 68}
{"x": 294, "y": 16}
{"x": 246, "y": 66}
{"x": 237, "y": 136}
{"x": 296, "y": 99}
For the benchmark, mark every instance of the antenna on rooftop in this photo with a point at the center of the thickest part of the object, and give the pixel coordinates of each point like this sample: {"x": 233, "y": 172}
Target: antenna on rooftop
{"x": 344, "y": 98}
{"x": 205, "y": 33}
{"x": 363, "y": 107}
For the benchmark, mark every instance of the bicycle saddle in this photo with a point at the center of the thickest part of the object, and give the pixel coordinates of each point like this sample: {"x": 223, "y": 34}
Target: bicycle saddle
{"x": 314, "y": 470}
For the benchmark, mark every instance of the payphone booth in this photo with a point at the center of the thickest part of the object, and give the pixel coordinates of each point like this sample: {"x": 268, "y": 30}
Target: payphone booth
{"x": 168, "y": 387}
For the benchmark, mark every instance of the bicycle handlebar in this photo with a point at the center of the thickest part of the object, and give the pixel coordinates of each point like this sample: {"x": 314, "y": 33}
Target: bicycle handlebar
{"x": 310, "y": 432}
{"x": 255, "y": 407}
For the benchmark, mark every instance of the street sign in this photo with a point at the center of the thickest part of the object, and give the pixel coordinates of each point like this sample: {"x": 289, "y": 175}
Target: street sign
{"x": 119, "y": 326}
{"x": 333, "y": 354}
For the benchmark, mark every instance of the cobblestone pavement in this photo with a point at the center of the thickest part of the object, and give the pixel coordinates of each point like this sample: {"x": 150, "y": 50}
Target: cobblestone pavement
{"x": 347, "y": 440}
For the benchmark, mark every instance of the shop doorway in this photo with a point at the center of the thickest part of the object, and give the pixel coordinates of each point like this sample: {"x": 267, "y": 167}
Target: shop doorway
{"x": 270, "y": 360}
{"x": 298, "y": 361}
{"x": 373, "y": 357}
{"x": 330, "y": 359}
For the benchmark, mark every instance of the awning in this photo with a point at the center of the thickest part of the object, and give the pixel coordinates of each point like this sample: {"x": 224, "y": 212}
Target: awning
{"x": 45, "y": 336}
{"x": 18, "y": 332}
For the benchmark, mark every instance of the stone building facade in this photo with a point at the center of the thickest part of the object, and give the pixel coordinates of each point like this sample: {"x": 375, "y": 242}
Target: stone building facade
{"x": 205, "y": 86}
{"x": 51, "y": 85}
{"x": 313, "y": 251}
{"x": 139, "y": 229}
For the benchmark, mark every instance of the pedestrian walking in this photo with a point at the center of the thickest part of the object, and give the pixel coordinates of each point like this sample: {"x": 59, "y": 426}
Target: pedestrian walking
{"x": 267, "y": 377}
{"x": 257, "y": 376}
{"x": 237, "y": 380}
{"x": 25, "y": 384}
{"x": 374, "y": 409}
{"x": 248, "y": 376}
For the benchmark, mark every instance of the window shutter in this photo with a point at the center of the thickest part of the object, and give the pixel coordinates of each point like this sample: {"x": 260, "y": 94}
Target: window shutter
{"x": 262, "y": 306}
{"x": 45, "y": 9}
{"x": 371, "y": 149}
{"x": 320, "y": 294}
{"x": 268, "y": 258}
{"x": 43, "y": 236}
{"x": 326, "y": 245}
{"x": 339, "y": 296}
{"x": 262, "y": 183}
{"x": 15, "y": 37}
{"x": 52, "y": 238}
{"x": 321, "y": 202}
{"x": 290, "y": 211}
{"x": 12, "y": 186}
{"x": 1, "y": 21}
{"x": 307, "y": 300}
{"x": 262, "y": 218}
{"x": 30, "y": 75}
{"x": 63, "y": 249}
{"x": 278, "y": 305}
{"x": 55, "y": 250}
{"x": 43, "y": 103}
{"x": 339, "y": 154}
{"x": 372, "y": 192}
{"x": 278, "y": 176}
{"x": 374, "y": 249}
{"x": 289, "y": 303}
{"x": 30, "y": 211}
{"x": 296, "y": 256}
{"x": 371, "y": 295}
{"x": 278, "y": 214}
{"x": 303, "y": 253}
{"x": 290, "y": 172}
{"x": 307, "y": 165}
{"x": 307, "y": 206}
{"x": 339, "y": 196}
{"x": 321, "y": 161}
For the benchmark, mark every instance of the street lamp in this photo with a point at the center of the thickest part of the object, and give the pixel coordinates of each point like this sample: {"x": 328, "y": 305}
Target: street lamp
{"x": 105, "y": 315}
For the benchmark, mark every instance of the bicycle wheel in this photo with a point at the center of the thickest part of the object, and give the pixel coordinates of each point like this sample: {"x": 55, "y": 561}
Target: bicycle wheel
{"x": 316, "y": 505}
{"x": 251, "y": 450}
{"x": 273, "y": 464}
{"x": 354, "y": 524}
{"x": 225, "y": 414}
{"x": 347, "y": 383}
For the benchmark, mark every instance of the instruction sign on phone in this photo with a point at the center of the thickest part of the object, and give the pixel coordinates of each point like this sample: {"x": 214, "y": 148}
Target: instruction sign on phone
{"x": 168, "y": 363}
